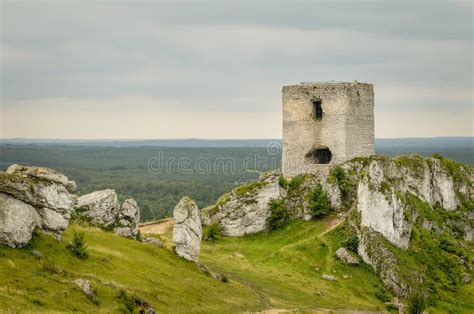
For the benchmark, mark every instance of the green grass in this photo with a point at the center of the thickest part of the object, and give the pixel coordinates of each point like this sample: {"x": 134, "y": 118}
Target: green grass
{"x": 280, "y": 269}
{"x": 154, "y": 275}
{"x": 284, "y": 269}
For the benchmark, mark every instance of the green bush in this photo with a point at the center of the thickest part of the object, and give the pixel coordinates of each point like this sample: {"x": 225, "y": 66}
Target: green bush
{"x": 212, "y": 232}
{"x": 283, "y": 182}
{"x": 338, "y": 175}
{"x": 383, "y": 295}
{"x": 224, "y": 279}
{"x": 78, "y": 245}
{"x": 296, "y": 182}
{"x": 131, "y": 303}
{"x": 351, "y": 243}
{"x": 416, "y": 303}
{"x": 318, "y": 202}
{"x": 278, "y": 213}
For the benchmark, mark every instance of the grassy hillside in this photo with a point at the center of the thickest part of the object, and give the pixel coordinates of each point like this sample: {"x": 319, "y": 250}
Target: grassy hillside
{"x": 278, "y": 270}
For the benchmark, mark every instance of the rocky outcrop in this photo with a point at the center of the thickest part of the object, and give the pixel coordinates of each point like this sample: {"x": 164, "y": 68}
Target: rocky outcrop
{"x": 101, "y": 208}
{"x": 17, "y": 221}
{"x": 187, "y": 230}
{"x": 45, "y": 174}
{"x": 383, "y": 214}
{"x": 33, "y": 197}
{"x": 381, "y": 192}
{"x": 245, "y": 210}
{"x": 374, "y": 252}
{"x": 129, "y": 217}
{"x": 345, "y": 256}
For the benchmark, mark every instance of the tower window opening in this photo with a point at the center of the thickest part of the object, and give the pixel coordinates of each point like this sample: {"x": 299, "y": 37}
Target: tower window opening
{"x": 320, "y": 155}
{"x": 317, "y": 110}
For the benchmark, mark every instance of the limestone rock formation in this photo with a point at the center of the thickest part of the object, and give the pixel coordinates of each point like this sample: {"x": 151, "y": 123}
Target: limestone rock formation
{"x": 43, "y": 173}
{"x": 129, "y": 217}
{"x": 245, "y": 210}
{"x": 85, "y": 286}
{"x": 17, "y": 221}
{"x": 187, "y": 230}
{"x": 344, "y": 255}
{"x": 100, "y": 207}
{"x": 33, "y": 197}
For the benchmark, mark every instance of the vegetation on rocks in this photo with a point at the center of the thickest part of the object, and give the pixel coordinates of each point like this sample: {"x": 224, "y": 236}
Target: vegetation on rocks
{"x": 318, "y": 202}
{"x": 278, "y": 213}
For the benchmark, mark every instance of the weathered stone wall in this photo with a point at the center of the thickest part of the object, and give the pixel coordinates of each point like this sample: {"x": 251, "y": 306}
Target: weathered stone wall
{"x": 346, "y": 126}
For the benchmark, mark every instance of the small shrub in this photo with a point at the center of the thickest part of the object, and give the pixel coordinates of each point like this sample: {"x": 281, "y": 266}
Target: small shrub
{"x": 78, "y": 245}
{"x": 130, "y": 302}
{"x": 383, "y": 295}
{"x": 224, "y": 279}
{"x": 318, "y": 202}
{"x": 212, "y": 232}
{"x": 278, "y": 213}
{"x": 283, "y": 182}
{"x": 416, "y": 303}
{"x": 49, "y": 266}
{"x": 351, "y": 243}
{"x": 296, "y": 182}
{"x": 338, "y": 175}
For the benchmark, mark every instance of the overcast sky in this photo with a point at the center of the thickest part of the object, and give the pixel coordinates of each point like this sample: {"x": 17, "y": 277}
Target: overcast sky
{"x": 215, "y": 70}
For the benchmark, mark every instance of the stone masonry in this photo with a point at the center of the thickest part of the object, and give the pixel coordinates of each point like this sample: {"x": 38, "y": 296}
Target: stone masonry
{"x": 326, "y": 123}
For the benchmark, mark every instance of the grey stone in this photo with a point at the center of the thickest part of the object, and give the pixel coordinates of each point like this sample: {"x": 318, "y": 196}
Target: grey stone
{"x": 129, "y": 217}
{"x": 101, "y": 207}
{"x": 43, "y": 173}
{"x": 53, "y": 222}
{"x": 37, "y": 192}
{"x": 466, "y": 278}
{"x": 242, "y": 213}
{"x": 85, "y": 286}
{"x": 344, "y": 255}
{"x": 17, "y": 221}
{"x": 328, "y": 277}
{"x": 346, "y": 126}
{"x": 187, "y": 230}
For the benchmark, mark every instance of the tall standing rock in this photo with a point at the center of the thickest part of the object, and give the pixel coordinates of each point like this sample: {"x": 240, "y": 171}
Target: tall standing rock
{"x": 187, "y": 230}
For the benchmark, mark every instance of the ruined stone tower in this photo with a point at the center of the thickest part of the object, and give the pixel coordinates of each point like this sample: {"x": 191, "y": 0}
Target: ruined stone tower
{"x": 326, "y": 123}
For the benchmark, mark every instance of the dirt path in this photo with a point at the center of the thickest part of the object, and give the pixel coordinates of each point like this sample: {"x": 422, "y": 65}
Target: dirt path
{"x": 157, "y": 227}
{"x": 332, "y": 225}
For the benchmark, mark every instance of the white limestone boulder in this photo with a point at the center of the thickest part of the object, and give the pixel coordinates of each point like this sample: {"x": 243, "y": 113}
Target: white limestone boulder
{"x": 100, "y": 207}
{"x": 187, "y": 230}
{"x": 245, "y": 210}
{"x": 17, "y": 221}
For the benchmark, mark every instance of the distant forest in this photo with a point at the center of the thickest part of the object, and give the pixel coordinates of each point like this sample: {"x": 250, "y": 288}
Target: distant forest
{"x": 157, "y": 176}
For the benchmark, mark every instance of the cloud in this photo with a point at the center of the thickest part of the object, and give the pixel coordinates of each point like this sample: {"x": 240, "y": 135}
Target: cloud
{"x": 218, "y": 59}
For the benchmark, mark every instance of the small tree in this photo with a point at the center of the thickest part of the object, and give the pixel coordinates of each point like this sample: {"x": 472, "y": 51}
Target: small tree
{"x": 212, "y": 232}
{"x": 417, "y": 303}
{"x": 278, "y": 213}
{"x": 78, "y": 246}
{"x": 318, "y": 202}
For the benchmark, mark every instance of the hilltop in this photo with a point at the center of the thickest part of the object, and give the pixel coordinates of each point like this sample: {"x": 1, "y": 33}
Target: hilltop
{"x": 407, "y": 222}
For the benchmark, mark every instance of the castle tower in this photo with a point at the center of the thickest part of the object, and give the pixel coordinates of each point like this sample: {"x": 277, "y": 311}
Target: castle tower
{"x": 326, "y": 123}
